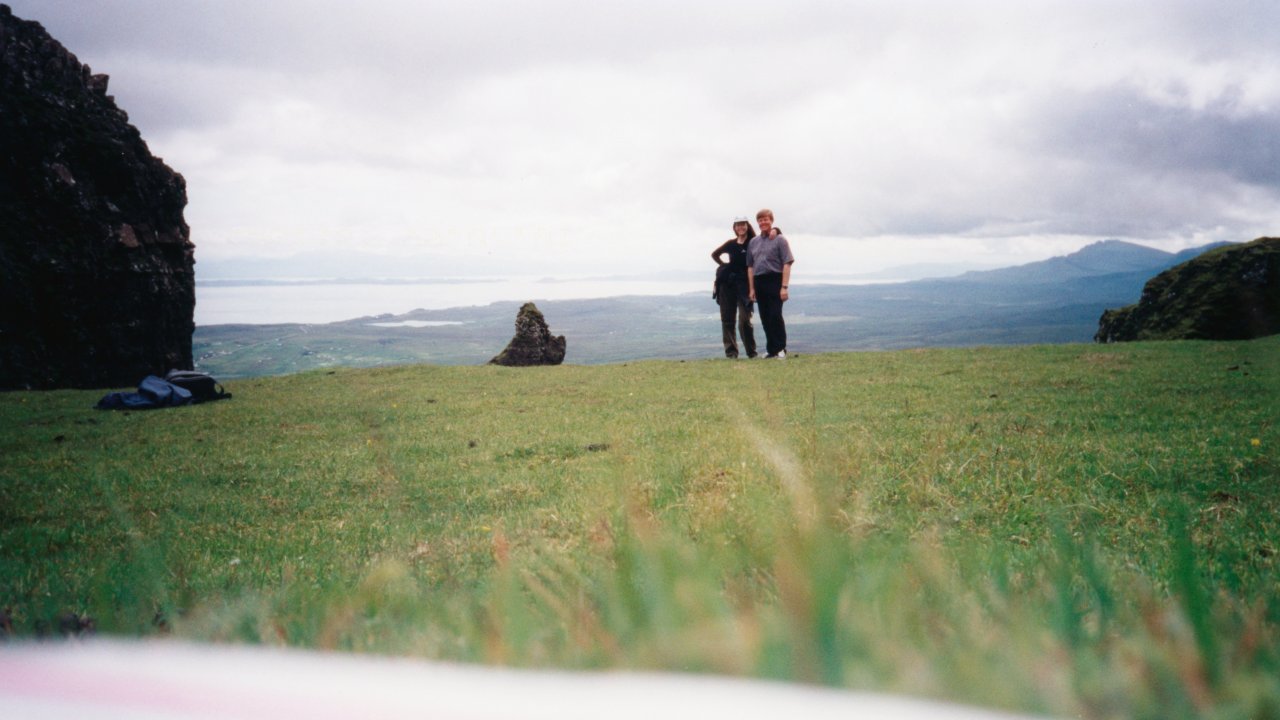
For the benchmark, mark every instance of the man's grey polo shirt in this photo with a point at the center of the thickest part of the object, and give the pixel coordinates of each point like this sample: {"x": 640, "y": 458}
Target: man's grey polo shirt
{"x": 768, "y": 256}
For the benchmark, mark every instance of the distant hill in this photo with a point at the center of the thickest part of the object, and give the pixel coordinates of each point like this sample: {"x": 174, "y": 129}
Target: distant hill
{"x": 1101, "y": 258}
{"x": 1053, "y": 301}
{"x": 1230, "y": 293}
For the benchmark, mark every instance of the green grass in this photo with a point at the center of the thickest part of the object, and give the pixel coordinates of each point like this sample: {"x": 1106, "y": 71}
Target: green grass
{"x": 1076, "y": 530}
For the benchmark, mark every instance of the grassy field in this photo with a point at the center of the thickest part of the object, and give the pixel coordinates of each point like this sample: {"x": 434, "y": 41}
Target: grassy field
{"x": 1075, "y": 530}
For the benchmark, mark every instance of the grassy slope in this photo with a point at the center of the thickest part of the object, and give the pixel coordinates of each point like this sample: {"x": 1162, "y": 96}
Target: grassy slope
{"x": 1071, "y": 529}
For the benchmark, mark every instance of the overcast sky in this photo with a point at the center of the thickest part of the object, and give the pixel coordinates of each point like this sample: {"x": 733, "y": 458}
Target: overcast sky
{"x": 615, "y": 137}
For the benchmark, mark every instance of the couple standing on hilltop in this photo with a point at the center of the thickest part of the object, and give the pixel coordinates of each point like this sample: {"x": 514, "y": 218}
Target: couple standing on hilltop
{"x": 758, "y": 270}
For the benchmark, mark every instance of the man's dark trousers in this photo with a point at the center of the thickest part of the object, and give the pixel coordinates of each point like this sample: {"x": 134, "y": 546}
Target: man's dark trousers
{"x": 769, "y": 299}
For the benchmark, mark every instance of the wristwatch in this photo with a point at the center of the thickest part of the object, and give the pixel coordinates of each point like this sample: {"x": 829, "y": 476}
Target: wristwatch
{"x": 784, "y": 287}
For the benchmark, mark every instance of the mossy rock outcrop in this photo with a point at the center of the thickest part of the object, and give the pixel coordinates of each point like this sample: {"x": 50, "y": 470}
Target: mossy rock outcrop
{"x": 533, "y": 343}
{"x": 1229, "y": 293}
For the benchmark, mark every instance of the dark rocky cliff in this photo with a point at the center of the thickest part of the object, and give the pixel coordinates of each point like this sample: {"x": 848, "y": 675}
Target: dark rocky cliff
{"x": 1229, "y": 293}
{"x": 97, "y": 284}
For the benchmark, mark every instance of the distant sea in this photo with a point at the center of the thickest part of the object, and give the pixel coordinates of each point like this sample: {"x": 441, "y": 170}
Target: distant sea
{"x": 269, "y": 301}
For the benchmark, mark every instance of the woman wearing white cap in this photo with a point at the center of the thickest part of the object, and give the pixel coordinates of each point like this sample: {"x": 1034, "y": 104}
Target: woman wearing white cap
{"x": 731, "y": 289}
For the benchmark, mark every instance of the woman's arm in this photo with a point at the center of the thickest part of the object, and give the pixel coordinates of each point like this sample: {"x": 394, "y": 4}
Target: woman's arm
{"x": 715, "y": 254}
{"x": 751, "y": 283}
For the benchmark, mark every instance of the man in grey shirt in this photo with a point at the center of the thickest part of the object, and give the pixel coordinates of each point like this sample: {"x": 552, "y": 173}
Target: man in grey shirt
{"x": 769, "y": 262}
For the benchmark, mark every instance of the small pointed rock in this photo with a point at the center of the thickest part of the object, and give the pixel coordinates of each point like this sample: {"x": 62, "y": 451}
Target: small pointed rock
{"x": 533, "y": 343}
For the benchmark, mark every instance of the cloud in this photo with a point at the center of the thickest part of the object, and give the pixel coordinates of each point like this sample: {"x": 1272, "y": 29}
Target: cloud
{"x": 1126, "y": 129}
{"x": 1123, "y": 160}
{"x": 565, "y": 135}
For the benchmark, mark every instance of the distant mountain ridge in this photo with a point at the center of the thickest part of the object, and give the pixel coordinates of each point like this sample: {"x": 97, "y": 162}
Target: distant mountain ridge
{"x": 1101, "y": 258}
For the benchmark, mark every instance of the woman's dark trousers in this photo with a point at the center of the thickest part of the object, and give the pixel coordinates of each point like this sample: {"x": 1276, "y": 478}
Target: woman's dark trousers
{"x": 733, "y": 301}
{"x": 769, "y": 298}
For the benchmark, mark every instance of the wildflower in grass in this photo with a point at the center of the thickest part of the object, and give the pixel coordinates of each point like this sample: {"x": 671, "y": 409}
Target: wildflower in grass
{"x": 1255, "y": 442}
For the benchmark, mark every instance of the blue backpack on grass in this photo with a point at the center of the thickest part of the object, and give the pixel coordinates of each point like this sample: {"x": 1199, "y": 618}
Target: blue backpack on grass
{"x": 179, "y": 387}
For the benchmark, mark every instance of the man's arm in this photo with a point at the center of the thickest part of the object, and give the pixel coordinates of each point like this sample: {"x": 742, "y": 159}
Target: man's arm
{"x": 784, "y": 249}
